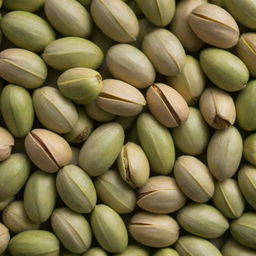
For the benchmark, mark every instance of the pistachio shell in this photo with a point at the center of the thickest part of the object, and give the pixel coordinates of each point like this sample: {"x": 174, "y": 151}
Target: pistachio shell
{"x": 25, "y": 5}
{"x": 166, "y": 252}
{"x": 72, "y": 52}
{"x": 231, "y": 248}
{"x": 132, "y": 250}
{"x": 116, "y": 19}
{"x": 250, "y": 149}
{"x": 95, "y": 251}
{"x": 22, "y": 27}
{"x": 76, "y": 189}
{"x": 4, "y": 237}
{"x": 6, "y": 143}
{"x": 22, "y": 67}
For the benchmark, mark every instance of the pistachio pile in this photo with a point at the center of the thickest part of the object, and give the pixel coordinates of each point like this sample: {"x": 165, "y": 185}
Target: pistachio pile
{"x": 128, "y": 128}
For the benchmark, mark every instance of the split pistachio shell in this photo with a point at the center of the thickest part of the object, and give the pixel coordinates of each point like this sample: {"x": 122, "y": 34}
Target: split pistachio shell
{"x": 157, "y": 190}
{"x": 166, "y": 252}
{"x": 133, "y": 165}
{"x": 224, "y": 153}
{"x": 245, "y": 104}
{"x": 159, "y": 12}
{"x": 154, "y": 230}
{"x": 165, "y": 51}
{"x": 192, "y": 136}
{"x": 114, "y": 192}
{"x": 228, "y": 198}
{"x": 71, "y": 52}
{"x": 181, "y": 28}
{"x": 190, "y": 82}
{"x": 109, "y": 229}
{"x": 4, "y": 237}
{"x": 214, "y": 25}
{"x": 17, "y": 110}
{"x": 22, "y": 67}
{"x": 157, "y": 143}
{"x": 40, "y": 196}
{"x": 76, "y": 189}
{"x": 6, "y": 143}
{"x": 202, "y": 220}
{"x": 130, "y": 65}
{"x": 167, "y": 105}
{"x": 16, "y": 219}
{"x": 47, "y": 150}
{"x": 14, "y": 172}
{"x": 34, "y": 243}
{"x": 231, "y": 248}
{"x": 246, "y": 51}
{"x": 194, "y": 178}
{"x": 95, "y": 251}
{"x": 249, "y": 151}
{"x": 120, "y": 98}
{"x": 224, "y": 69}
{"x": 244, "y": 230}
{"x": 116, "y": 19}
{"x": 68, "y": 17}
{"x": 82, "y": 85}
{"x": 53, "y": 110}
{"x": 132, "y": 250}
{"x": 101, "y": 149}
{"x": 247, "y": 181}
{"x": 72, "y": 229}
{"x": 217, "y": 108}
{"x": 22, "y": 27}
{"x": 25, "y": 5}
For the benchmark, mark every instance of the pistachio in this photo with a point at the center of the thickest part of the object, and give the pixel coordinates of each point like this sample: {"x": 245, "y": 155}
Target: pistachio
{"x": 114, "y": 192}
{"x": 166, "y": 252}
{"x": 165, "y": 51}
{"x": 116, "y": 19}
{"x": 109, "y": 229}
{"x": 194, "y": 178}
{"x": 249, "y": 151}
{"x": 6, "y": 143}
{"x": 72, "y": 229}
{"x": 14, "y": 172}
{"x": 167, "y": 105}
{"x": 231, "y": 248}
{"x": 120, "y": 98}
{"x": 5, "y": 203}
{"x": 224, "y": 69}
{"x": 95, "y": 251}
{"x": 75, "y": 156}
{"x": 25, "y": 5}
{"x": 157, "y": 143}
{"x": 214, "y": 25}
{"x": 34, "y": 243}
{"x": 154, "y": 230}
{"x": 68, "y": 17}
{"x": 228, "y": 198}
{"x": 22, "y": 67}
{"x": 129, "y": 64}
{"x": 217, "y": 108}
{"x": 22, "y": 27}
{"x": 101, "y": 149}
{"x": 190, "y": 82}
{"x": 133, "y": 165}
{"x": 159, "y": 12}
{"x": 157, "y": 190}
{"x": 136, "y": 9}
{"x": 16, "y": 219}
{"x": 4, "y": 237}
{"x": 224, "y": 153}
{"x": 192, "y": 136}
{"x": 126, "y": 121}
{"x": 17, "y": 110}
{"x": 71, "y": 52}
{"x": 132, "y": 250}
{"x": 47, "y": 150}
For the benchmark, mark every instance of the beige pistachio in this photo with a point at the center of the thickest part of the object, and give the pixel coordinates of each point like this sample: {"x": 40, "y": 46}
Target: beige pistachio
{"x": 25, "y": 5}
{"x": 167, "y": 105}
{"x": 4, "y": 238}
{"x": 165, "y": 51}
{"x": 120, "y": 98}
{"x": 157, "y": 190}
{"x": 166, "y": 252}
{"x": 249, "y": 151}
{"x": 133, "y": 165}
{"x": 194, "y": 178}
{"x": 224, "y": 153}
{"x": 47, "y": 150}
{"x": 154, "y": 230}
{"x": 217, "y": 108}
{"x": 6, "y": 143}
{"x": 95, "y": 251}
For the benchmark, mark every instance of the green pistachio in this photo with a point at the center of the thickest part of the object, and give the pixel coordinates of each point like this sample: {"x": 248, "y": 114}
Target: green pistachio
{"x": 76, "y": 189}
{"x": 166, "y": 252}
{"x": 157, "y": 143}
{"x": 101, "y": 149}
{"x": 231, "y": 248}
{"x": 6, "y": 144}
{"x": 224, "y": 153}
{"x": 95, "y": 251}
{"x": 70, "y": 52}
{"x": 4, "y": 238}
{"x": 109, "y": 229}
{"x": 249, "y": 151}
{"x": 192, "y": 136}
{"x": 22, "y": 67}
{"x": 5, "y": 203}
{"x": 14, "y": 172}
{"x": 116, "y": 19}
{"x": 134, "y": 250}
{"x": 25, "y": 5}
{"x": 224, "y": 69}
